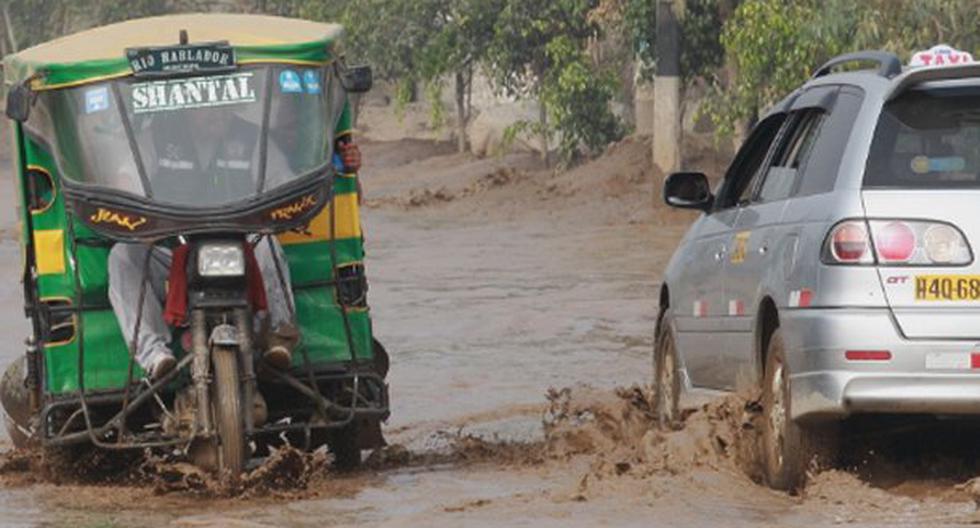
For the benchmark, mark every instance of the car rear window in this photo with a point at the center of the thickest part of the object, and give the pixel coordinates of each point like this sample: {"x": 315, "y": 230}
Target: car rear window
{"x": 927, "y": 139}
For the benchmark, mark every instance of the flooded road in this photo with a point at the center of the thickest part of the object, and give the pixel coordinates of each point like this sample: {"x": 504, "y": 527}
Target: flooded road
{"x": 484, "y": 306}
{"x": 479, "y": 320}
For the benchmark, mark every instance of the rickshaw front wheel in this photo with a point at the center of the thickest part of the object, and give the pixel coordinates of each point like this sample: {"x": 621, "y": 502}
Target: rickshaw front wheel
{"x": 226, "y": 402}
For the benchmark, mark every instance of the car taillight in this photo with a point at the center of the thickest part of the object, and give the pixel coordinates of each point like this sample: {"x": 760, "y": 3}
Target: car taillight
{"x": 944, "y": 244}
{"x": 896, "y": 243}
{"x": 847, "y": 243}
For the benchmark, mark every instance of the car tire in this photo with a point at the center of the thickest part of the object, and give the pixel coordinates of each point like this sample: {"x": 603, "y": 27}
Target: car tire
{"x": 789, "y": 448}
{"x": 667, "y": 382}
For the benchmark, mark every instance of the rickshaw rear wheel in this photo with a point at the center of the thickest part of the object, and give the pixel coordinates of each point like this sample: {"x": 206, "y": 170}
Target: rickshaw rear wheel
{"x": 227, "y": 405}
{"x": 345, "y": 447}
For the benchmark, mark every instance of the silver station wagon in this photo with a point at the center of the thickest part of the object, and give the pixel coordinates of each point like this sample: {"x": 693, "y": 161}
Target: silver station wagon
{"x": 835, "y": 265}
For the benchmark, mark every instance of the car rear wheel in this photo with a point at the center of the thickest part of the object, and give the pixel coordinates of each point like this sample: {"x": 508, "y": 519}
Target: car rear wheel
{"x": 789, "y": 448}
{"x": 667, "y": 383}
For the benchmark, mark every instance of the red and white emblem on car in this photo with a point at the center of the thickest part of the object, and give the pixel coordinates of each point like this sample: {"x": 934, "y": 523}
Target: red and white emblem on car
{"x": 800, "y": 298}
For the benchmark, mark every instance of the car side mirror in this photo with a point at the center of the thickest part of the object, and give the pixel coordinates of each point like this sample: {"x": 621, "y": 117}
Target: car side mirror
{"x": 19, "y": 100}
{"x": 356, "y": 79}
{"x": 688, "y": 190}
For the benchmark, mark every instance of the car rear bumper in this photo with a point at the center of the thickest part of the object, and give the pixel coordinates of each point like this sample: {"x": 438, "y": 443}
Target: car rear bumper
{"x": 922, "y": 376}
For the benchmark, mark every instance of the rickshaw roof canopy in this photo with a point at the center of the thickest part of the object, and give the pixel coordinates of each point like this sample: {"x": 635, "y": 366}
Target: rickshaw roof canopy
{"x": 99, "y": 53}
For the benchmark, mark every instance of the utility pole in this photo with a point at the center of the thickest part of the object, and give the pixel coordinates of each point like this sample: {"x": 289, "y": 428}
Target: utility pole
{"x": 667, "y": 88}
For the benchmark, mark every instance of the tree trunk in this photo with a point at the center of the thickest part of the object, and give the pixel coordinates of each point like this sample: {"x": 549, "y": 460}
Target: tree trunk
{"x": 462, "y": 116}
{"x": 9, "y": 28}
{"x": 666, "y": 109}
{"x": 545, "y": 148}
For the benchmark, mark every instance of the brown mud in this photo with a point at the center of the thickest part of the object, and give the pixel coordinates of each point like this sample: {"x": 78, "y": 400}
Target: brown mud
{"x": 492, "y": 280}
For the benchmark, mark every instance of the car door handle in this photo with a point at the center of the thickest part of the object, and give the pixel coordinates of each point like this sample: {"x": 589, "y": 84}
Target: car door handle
{"x": 720, "y": 254}
{"x": 763, "y": 249}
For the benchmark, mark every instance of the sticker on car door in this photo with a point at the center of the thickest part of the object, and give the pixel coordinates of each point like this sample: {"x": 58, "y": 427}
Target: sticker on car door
{"x": 740, "y": 248}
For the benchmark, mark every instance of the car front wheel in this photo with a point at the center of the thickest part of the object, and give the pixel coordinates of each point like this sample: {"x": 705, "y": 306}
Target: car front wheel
{"x": 667, "y": 382}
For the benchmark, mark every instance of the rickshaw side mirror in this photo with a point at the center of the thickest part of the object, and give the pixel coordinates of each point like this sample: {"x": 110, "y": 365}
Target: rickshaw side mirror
{"x": 357, "y": 79}
{"x": 19, "y": 100}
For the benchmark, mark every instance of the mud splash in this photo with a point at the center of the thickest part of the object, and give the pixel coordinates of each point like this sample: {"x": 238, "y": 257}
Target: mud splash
{"x": 286, "y": 473}
{"x": 618, "y": 431}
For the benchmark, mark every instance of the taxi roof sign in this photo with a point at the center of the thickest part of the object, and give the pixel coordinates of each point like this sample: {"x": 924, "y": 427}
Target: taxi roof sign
{"x": 940, "y": 55}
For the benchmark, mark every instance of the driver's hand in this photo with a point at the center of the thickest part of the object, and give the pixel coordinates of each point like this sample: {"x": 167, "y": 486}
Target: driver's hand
{"x": 350, "y": 154}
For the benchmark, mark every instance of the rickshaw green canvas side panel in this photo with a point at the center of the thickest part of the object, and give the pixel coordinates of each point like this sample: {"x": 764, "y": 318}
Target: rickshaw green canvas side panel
{"x": 317, "y": 311}
{"x": 312, "y": 262}
{"x": 93, "y": 270}
{"x": 324, "y": 336}
{"x": 106, "y": 355}
{"x": 50, "y": 219}
{"x": 106, "y": 361}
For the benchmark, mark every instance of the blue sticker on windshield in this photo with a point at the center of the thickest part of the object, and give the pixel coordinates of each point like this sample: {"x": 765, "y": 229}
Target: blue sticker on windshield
{"x": 925, "y": 164}
{"x": 311, "y": 78}
{"x": 289, "y": 82}
{"x": 97, "y": 99}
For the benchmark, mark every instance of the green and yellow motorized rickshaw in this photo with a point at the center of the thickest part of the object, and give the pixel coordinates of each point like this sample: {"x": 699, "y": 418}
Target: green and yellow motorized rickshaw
{"x": 87, "y": 111}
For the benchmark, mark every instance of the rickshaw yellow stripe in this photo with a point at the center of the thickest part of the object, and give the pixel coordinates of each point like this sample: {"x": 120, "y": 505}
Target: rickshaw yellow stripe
{"x": 49, "y": 251}
{"x": 347, "y": 224}
{"x": 295, "y": 62}
{"x": 38, "y": 85}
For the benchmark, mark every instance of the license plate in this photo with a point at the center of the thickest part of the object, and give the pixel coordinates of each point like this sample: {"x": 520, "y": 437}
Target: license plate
{"x": 947, "y": 287}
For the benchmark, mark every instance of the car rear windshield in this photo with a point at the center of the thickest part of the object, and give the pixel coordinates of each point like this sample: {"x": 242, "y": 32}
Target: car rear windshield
{"x": 927, "y": 139}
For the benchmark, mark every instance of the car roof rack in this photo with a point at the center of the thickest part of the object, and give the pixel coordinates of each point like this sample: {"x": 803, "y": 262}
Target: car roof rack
{"x": 933, "y": 73}
{"x": 888, "y": 63}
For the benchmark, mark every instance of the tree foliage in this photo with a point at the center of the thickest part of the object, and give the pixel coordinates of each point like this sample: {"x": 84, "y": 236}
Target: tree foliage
{"x": 774, "y": 45}
{"x": 36, "y": 21}
{"x": 577, "y": 98}
{"x": 701, "y": 22}
{"x": 539, "y": 50}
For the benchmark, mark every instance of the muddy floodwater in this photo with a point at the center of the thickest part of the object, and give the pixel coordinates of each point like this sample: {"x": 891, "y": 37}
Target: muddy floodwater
{"x": 520, "y": 344}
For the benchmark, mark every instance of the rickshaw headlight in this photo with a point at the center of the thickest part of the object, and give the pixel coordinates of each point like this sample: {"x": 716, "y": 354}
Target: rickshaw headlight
{"x": 221, "y": 260}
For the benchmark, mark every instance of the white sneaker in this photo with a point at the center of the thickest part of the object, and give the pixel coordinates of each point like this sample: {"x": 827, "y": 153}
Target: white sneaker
{"x": 162, "y": 364}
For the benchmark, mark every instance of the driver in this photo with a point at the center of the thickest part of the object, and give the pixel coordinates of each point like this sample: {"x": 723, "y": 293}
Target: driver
{"x": 216, "y": 155}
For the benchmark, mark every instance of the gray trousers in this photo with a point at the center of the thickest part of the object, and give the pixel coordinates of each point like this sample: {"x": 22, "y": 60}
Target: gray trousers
{"x": 126, "y": 276}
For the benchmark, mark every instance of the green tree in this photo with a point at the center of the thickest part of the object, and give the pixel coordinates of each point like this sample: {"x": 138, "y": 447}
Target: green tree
{"x": 775, "y": 45}
{"x": 34, "y": 21}
{"x": 538, "y": 50}
{"x": 772, "y": 45}
{"x": 457, "y": 48}
{"x": 577, "y": 97}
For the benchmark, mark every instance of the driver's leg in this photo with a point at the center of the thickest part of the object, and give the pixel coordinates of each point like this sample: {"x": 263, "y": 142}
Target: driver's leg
{"x": 275, "y": 274}
{"x": 126, "y": 263}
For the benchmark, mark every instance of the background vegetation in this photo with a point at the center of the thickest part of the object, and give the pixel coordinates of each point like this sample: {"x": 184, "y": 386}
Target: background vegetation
{"x": 577, "y": 58}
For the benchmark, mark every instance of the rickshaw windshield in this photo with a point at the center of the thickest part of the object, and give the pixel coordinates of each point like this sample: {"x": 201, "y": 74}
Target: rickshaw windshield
{"x": 200, "y": 141}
